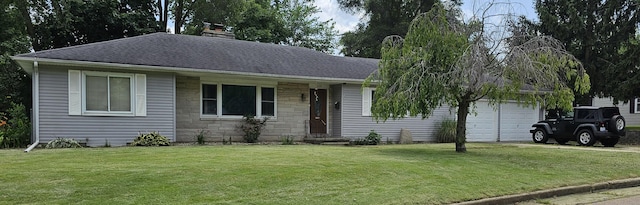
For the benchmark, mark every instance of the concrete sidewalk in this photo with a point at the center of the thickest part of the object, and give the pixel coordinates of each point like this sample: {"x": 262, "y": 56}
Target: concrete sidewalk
{"x": 607, "y": 197}
{"x": 558, "y": 192}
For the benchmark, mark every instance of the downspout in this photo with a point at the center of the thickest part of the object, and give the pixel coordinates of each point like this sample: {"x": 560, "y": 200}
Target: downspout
{"x": 35, "y": 82}
{"x": 499, "y": 119}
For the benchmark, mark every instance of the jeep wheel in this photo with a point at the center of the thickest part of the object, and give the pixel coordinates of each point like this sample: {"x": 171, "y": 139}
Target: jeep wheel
{"x": 540, "y": 136}
{"x": 617, "y": 124}
{"x": 611, "y": 142}
{"x": 585, "y": 138}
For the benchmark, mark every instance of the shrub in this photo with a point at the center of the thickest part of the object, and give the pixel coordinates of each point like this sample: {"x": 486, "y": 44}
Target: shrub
{"x": 1, "y": 136}
{"x": 251, "y": 127}
{"x": 63, "y": 143}
{"x": 15, "y": 127}
{"x": 287, "y": 140}
{"x": 447, "y": 131}
{"x": 358, "y": 141}
{"x": 150, "y": 139}
{"x": 200, "y": 136}
{"x": 373, "y": 138}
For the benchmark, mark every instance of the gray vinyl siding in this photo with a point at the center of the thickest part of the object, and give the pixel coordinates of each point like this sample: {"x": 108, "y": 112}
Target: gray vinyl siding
{"x": 95, "y": 130}
{"x": 336, "y": 114}
{"x": 633, "y": 119}
{"x": 354, "y": 125}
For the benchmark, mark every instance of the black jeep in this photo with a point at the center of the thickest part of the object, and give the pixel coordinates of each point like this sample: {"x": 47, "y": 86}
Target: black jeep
{"x": 586, "y": 125}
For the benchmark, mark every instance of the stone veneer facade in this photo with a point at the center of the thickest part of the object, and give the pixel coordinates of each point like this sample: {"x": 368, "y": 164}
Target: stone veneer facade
{"x": 292, "y": 114}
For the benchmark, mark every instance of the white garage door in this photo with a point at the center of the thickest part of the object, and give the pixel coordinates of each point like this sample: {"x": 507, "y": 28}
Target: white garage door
{"x": 482, "y": 127}
{"x": 515, "y": 122}
{"x": 509, "y": 122}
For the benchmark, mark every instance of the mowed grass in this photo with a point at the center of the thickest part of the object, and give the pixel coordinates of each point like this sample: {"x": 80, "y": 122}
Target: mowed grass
{"x": 301, "y": 174}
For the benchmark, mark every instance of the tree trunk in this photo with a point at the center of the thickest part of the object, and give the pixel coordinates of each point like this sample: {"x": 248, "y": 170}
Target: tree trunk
{"x": 461, "y": 127}
{"x": 179, "y": 6}
{"x": 165, "y": 14}
{"x": 24, "y": 7}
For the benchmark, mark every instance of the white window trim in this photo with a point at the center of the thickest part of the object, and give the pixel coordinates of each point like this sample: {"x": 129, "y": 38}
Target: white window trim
{"x": 637, "y": 108}
{"x": 219, "y": 100}
{"x": 132, "y": 94}
{"x": 367, "y": 101}
{"x": 77, "y": 94}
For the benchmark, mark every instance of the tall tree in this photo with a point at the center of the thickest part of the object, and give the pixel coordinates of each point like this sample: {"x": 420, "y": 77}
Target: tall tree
{"x": 226, "y": 12}
{"x": 81, "y": 22}
{"x": 305, "y": 30}
{"x": 442, "y": 61}
{"x": 287, "y": 22}
{"x": 261, "y": 22}
{"x": 385, "y": 17}
{"x": 600, "y": 34}
{"x": 15, "y": 83}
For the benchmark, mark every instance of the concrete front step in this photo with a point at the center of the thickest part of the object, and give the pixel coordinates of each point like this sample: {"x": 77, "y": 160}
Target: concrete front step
{"x": 328, "y": 140}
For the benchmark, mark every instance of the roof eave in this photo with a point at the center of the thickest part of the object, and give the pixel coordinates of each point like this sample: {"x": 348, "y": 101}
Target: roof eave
{"x": 27, "y": 64}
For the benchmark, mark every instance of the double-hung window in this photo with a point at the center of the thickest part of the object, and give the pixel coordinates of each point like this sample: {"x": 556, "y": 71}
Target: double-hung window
{"x": 107, "y": 94}
{"x": 221, "y": 100}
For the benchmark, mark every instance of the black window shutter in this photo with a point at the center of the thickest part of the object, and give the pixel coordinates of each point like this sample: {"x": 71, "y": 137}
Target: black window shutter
{"x": 632, "y": 105}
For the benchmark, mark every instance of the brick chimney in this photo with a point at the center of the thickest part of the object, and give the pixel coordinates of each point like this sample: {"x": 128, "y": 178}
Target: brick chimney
{"x": 218, "y": 31}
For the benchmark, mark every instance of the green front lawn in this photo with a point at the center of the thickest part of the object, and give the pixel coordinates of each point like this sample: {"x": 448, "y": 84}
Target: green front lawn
{"x": 302, "y": 174}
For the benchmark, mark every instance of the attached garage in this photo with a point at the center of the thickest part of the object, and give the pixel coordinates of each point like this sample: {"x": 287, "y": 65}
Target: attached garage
{"x": 507, "y": 122}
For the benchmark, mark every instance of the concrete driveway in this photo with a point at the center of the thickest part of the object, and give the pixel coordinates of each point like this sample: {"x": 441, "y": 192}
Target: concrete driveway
{"x": 617, "y": 148}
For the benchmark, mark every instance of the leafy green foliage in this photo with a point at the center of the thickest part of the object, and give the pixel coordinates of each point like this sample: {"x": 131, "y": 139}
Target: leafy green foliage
{"x": 194, "y": 12}
{"x": 287, "y": 140}
{"x": 201, "y": 135}
{"x": 287, "y": 22}
{"x": 63, "y": 143}
{"x": 373, "y": 138}
{"x": 16, "y": 84}
{"x": 601, "y": 34}
{"x": 15, "y": 127}
{"x": 150, "y": 139}
{"x": 82, "y": 22}
{"x": 386, "y": 17}
{"x": 251, "y": 128}
{"x": 446, "y": 131}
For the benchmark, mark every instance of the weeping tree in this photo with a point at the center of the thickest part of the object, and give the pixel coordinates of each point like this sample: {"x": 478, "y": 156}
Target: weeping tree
{"x": 444, "y": 61}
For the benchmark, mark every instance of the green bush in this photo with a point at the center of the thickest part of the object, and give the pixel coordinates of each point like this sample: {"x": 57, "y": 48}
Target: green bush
{"x": 252, "y": 127}
{"x": 287, "y": 140}
{"x": 200, "y": 136}
{"x": 447, "y": 131}
{"x": 63, "y": 143}
{"x": 15, "y": 127}
{"x": 1, "y": 137}
{"x": 358, "y": 141}
{"x": 373, "y": 138}
{"x": 150, "y": 139}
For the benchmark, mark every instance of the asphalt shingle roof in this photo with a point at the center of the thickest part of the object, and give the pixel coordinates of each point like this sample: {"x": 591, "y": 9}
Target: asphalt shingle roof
{"x": 212, "y": 53}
